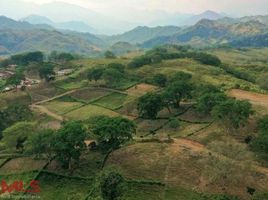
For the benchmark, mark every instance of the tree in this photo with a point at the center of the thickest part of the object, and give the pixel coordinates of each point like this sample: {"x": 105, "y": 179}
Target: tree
{"x": 109, "y": 54}
{"x": 112, "y": 76}
{"x": 180, "y": 76}
{"x": 46, "y": 71}
{"x": 263, "y": 81}
{"x": 95, "y": 74}
{"x": 12, "y": 114}
{"x": 175, "y": 92}
{"x": 15, "y": 136}
{"x": 39, "y": 144}
{"x": 149, "y": 105}
{"x": 68, "y": 143}
{"x": 16, "y": 79}
{"x": 26, "y": 58}
{"x": 263, "y": 125}
{"x": 160, "y": 80}
{"x": 260, "y": 143}
{"x": 112, "y": 132}
{"x": 207, "y": 101}
{"x": 234, "y": 113}
{"x": 117, "y": 66}
{"x": 111, "y": 185}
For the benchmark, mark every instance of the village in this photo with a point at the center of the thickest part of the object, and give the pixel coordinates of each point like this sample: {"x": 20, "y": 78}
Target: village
{"x": 5, "y": 74}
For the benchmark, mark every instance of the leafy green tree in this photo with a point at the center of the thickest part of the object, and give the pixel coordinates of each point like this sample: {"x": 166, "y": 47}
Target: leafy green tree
{"x": 180, "y": 76}
{"x": 160, "y": 80}
{"x": 207, "y": 101}
{"x": 177, "y": 91}
{"x": 12, "y": 114}
{"x": 263, "y": 125}
{"x": 111, "y": 185}
{"x": 112, "y": 76}
{"x": 15, "y": 136}
{"x": 263, "y": 81}
{"x": 68, "y": 143}
{"x": 39, "y": 144}
{"x": 260, "y": 143}
{"x": 46, "y": 71}
{"x": 149, "y": 105}
{"x": 15, "y": 79}
{"x": 95, "y": 73}
{"x": 112, "y": 132}
{"x": 109, "y": 54}
{"x": 233, "y": 113}
{"x": 117, "y": 66}
{"x": 26, "y": 58}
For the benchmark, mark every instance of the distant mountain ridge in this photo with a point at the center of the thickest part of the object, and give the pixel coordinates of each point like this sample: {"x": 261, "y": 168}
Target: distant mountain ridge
{"x": 20, "y": 36}
{"x": 17, "y": 36}
{"x": 141, "y": 34}
{"x": 79, "y": 26}
{"x": 218, "y": 32}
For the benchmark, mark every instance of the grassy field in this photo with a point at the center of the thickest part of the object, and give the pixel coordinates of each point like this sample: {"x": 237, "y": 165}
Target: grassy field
{"x": 56, "y": 187}
{"x": 24, "y": 164}
{"x": 113, "y": 101}
{"x": 90, "y": 94}
{"x": 193, "y": 158}
{"x": 88, "y": 111}
{"x": 61, "y": 107}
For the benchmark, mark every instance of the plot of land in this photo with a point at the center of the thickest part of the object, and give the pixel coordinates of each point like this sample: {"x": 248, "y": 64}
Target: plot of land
{"x": 61, "y": 107}
{"x": 141, "y": 89}
{"x": 113, "y": 101}
{"x": 90, "y": 94}
{"x": 256, "y": 99}
{"x": 56, "y": 187}
{"x": 188, "y": 164}
{"x": 88, "y": 111}
{"x": 22, "y": 165}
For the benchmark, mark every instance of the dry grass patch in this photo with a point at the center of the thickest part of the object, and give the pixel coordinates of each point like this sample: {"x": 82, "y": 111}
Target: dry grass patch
{"x": 141, "y": 89}
{"x": 23, "y": 164}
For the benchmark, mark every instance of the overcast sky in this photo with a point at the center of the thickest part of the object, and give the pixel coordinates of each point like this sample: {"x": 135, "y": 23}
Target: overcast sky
{"x": 238, "y": 7}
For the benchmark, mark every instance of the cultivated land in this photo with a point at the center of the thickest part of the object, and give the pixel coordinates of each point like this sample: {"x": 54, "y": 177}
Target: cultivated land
{"x": 198, "y": 160}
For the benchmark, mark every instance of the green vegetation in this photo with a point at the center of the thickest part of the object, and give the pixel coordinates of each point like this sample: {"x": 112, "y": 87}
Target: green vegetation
{"x": 111, "y": 133}
{"x": 157, "y": 131}
{"x": 113, "y": 101}
{"x": 149, "y": 105}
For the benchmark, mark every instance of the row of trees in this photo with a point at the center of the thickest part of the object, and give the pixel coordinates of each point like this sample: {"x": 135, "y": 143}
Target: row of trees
{"x": 158, "y": 54}
{"x": 67, "y": 143}
{"x": 111, "y": 74}
{"x": 210, "y": 101}
{"x": 178, "y": 87}
{"x": 260, "y": 143}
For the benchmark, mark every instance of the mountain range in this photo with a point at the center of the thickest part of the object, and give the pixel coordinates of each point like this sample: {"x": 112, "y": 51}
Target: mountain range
{"x": 20, "y": 36}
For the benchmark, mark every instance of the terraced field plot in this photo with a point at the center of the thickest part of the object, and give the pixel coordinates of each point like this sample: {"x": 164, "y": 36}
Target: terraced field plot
{"x": 113, "y": 101}
{"x": 88, "y": 111}
{"x": 56, "y": 187}
{"x": 23, "y": 164}
{"x": 90, "y": 94}
{"x": 188, "y": 164}
{"x": 61, "y": 107}
{"x": 141, "y": 89}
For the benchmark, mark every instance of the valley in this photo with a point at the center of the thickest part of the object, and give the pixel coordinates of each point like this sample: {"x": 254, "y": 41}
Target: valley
{"x": 181, "y": 153}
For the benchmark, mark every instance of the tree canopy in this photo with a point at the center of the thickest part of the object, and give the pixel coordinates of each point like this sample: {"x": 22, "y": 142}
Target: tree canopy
{"x": 112, "y": 132}
{"x": 68, "y": 143}
{"x": 149, "y": 105}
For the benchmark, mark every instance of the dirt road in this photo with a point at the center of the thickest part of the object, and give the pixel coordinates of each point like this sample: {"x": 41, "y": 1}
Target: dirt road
{"x": 43, "y": 109}
{"x": 254, "y": 98}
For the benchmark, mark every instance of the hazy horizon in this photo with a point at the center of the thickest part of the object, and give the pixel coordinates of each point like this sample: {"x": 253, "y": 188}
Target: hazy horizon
{"x": 115, "y": 16}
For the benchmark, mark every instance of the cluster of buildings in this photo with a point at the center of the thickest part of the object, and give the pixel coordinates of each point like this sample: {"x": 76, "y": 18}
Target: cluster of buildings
{"x": 24, "y": 83}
